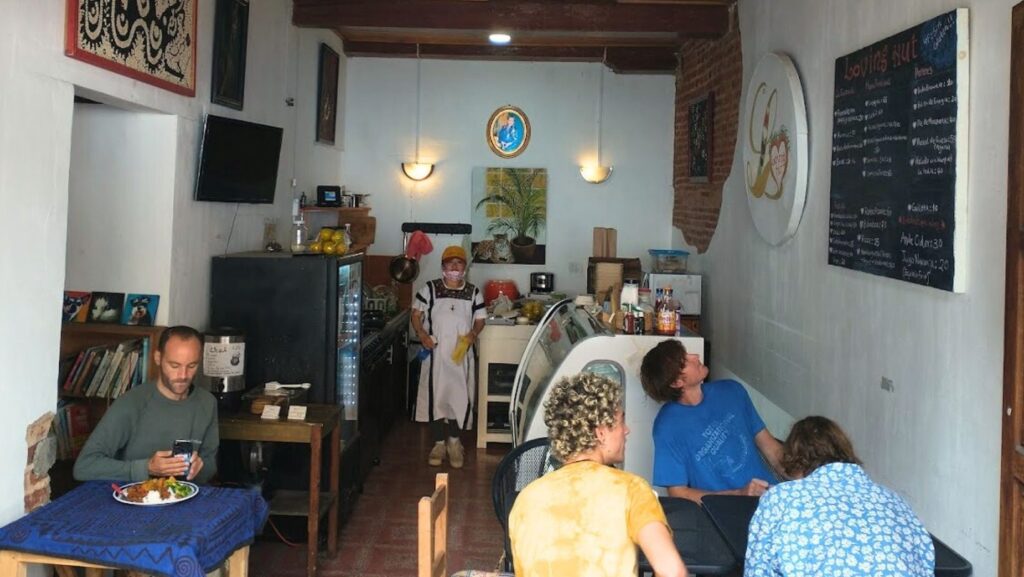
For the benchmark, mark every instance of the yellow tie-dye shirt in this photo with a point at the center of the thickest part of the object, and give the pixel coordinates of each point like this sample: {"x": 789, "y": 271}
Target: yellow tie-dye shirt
{"x": 582, "y": 521}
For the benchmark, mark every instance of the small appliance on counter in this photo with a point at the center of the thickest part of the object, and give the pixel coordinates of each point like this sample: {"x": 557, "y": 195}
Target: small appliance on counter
{"x": 542, "y": 282}
{"x": 496, "y": 287}
{"x": 224, "y": 366}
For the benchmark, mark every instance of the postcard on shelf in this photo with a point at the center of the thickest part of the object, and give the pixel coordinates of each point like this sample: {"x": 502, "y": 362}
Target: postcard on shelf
{"x": 76, "y": 306}
{"x": 106, "y": 307}
{"x": 140, "y": 309}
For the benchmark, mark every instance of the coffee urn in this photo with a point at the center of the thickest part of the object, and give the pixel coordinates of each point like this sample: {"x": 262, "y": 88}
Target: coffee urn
{"x": 224, "y": 366}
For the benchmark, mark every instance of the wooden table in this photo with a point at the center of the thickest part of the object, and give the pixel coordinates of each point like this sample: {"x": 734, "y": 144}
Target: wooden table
{"x": 15, "y": 564}
{"x": 321, "y": 420}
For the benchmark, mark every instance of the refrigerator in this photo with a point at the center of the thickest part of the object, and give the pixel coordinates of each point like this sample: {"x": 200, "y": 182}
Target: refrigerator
{"x": 300, "y": 315}
{"x": 685, "y": 289}
{"x": 569, "y": 340}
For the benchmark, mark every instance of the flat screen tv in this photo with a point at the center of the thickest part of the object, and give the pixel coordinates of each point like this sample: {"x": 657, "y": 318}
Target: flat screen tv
{"x": 238, "y": 161}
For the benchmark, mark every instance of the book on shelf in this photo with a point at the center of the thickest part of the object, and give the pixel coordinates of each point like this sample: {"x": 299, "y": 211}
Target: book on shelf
{"x": 94, "y": 383}
{"x": 89, "y": 365}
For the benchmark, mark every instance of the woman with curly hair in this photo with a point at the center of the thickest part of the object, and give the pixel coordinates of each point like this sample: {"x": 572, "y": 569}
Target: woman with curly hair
{"x": 832, "y": 519}
{"x": 588, "y": 517}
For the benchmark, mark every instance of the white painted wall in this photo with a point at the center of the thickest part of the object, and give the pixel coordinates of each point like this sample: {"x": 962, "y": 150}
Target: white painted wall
{"x": 560, "y": 100}
{"x": 817, "y": 339}
{"x": 120, "y": 193}
{"x": 37, "y": 86}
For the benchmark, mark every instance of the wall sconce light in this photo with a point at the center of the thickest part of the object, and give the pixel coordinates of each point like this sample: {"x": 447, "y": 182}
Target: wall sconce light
{"x": 417, "y": 170}
{"x": 596, "y": 174}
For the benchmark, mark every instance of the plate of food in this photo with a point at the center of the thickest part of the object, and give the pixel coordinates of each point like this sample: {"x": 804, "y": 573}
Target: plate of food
{"x": 156, "y": 492}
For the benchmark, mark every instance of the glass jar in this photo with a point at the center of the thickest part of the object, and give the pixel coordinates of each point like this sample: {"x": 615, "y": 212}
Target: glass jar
{"x": 646, "y": 306}
{"x": 299, "y": 236}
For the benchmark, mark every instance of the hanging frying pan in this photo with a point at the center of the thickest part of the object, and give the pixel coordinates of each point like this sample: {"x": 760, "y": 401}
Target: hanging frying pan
{"x": 404, "y": 268}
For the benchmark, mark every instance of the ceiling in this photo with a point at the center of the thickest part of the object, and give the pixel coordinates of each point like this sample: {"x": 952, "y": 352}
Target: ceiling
{"x": 630, "y": 36}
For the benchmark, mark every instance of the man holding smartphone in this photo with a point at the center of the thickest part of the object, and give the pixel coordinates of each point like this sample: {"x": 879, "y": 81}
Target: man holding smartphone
{"x": 140, "y": 435}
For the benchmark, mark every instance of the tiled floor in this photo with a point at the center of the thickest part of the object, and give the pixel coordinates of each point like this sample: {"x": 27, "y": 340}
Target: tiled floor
{"x": 380, "y": 538}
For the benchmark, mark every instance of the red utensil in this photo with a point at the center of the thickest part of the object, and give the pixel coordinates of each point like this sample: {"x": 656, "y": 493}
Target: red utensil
{"x": 117, "y": 488}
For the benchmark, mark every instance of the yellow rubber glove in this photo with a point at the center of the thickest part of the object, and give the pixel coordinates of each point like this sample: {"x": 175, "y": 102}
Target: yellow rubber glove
{"x": 461, "y": 347}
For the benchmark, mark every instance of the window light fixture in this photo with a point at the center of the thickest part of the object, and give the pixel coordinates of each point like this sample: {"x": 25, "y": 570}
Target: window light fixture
{"x": 417, "y": 170}
{"x": 598, "y": 173}
{"x": 500, "y": 38}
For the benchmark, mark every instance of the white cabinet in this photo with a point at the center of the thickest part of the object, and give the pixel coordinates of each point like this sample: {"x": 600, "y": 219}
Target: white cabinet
{"x": 501, "y": 348}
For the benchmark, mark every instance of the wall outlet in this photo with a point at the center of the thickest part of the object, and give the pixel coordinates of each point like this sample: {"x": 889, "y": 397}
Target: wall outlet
{"x": 575, "y": 268}
{"x": 887, "y": 385}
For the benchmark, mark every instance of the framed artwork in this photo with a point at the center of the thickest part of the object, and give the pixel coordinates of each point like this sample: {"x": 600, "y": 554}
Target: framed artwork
{"x": 76, "y": 306}
{"x": 701, "y": 123}
{"x": 509, "y": 215}
{"x": 508, "y": 131}
{"x": 327, "y": 95}
{"x": 151, "y": 42}
{"x": 230, "y": 36}
{"x": 106, "y": 307}
{"x": 140, "y": 309}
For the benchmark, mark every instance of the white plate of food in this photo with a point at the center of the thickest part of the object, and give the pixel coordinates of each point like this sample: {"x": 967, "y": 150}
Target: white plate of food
{"x": 156, "y": 492}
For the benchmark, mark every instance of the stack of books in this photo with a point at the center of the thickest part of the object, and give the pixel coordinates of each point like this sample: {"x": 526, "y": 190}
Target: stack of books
{"x": 105, "y": 371}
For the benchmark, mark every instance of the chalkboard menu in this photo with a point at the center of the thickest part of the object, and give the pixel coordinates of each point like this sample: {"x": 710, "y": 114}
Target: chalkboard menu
{"x": 899, "y": 156}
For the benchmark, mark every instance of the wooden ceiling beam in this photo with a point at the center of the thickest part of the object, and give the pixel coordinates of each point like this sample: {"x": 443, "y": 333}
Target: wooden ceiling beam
{"x": 689, "y": 20}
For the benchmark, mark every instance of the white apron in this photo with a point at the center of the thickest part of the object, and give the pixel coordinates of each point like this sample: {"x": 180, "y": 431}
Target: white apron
{"x": 448, "y": 390}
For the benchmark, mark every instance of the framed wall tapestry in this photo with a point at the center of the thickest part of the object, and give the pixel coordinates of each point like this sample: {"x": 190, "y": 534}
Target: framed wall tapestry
{"x": 154, "y": 42}
{"x": 508, "y": 131}
{"x": 230, "y": 36}
{"x": 509, "y": 215}
{"x": 327, "y": 95}
{"x": 700, "y": 125}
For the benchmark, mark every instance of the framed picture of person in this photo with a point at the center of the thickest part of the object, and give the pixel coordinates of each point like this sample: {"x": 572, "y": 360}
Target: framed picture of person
{"x": 230, "y": 35}
{"x": 327, "y": 95}
{"x": 508, "y": 131}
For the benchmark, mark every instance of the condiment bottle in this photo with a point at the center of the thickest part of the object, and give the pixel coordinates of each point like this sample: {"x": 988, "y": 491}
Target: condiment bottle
{"x": 647, "y": 308}
{"x": 666, "y": 314}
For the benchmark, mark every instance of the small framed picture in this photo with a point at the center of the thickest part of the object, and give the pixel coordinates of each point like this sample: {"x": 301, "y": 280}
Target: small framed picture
{"x": 327, "y": 95}
{"x": 76, "y": 306}
{"x": 508, "y": 131}
{"x": 701, "y": 122}
{"x": 140, "y": 310}
{"x": 230, "y": 35}
{"x": 106, "y": 307}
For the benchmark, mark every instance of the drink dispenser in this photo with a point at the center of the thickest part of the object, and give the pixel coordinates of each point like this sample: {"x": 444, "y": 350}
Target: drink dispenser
{"x": 224, "y": 366}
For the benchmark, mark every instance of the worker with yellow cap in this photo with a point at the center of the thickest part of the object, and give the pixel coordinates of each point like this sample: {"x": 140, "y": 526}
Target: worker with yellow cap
{"x": 448, "y": 315}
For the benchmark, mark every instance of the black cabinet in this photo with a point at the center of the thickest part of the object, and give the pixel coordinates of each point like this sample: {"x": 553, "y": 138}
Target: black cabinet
{"x": 382, "y": 386}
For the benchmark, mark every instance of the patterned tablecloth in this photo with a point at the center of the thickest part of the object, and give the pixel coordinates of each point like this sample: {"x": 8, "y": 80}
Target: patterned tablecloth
{"x": 184, "y": 539}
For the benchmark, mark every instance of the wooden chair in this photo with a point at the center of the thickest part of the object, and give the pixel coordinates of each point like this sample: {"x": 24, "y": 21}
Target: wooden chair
{"x": 433, "y": 531}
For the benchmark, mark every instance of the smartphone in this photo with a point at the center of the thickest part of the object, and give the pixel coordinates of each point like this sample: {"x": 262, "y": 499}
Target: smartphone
{"x": 184, "y": 447}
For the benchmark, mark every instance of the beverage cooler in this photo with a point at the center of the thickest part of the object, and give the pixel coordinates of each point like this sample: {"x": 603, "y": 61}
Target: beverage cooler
{"x": 300, "y": 315}
{"x": 569, "y": 340}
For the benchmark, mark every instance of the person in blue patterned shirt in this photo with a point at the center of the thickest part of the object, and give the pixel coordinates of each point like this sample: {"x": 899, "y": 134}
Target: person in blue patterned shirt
{"x": 833, "y": 519}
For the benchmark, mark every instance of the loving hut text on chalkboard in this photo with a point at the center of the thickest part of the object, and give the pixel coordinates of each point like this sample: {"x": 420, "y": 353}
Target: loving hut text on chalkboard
{"x": 898, "y": 193}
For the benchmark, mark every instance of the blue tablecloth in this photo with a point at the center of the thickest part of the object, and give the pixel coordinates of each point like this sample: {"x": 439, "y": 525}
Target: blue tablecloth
{"x": 184, "y": 539}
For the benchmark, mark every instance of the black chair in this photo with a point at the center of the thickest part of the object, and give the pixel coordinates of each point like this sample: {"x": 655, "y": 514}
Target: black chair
{"x": 516, "y": 470}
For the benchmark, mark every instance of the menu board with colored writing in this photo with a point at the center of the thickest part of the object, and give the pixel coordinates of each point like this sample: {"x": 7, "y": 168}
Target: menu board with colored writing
{"x": 898, "y": 200}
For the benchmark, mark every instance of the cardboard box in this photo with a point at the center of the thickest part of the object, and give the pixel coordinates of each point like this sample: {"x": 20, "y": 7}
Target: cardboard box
{"x": 605, "y": 242}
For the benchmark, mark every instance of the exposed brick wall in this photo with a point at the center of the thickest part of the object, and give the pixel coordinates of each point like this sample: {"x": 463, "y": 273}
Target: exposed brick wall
{"x": 42, "y": 452}
{"x": 706, "y": 66}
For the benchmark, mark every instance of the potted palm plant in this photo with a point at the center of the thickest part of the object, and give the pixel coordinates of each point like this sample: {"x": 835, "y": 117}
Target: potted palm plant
{"x": 522, "y": 210}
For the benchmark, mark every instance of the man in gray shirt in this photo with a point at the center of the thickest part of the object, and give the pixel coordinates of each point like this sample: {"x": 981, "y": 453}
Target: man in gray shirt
{"x": 133, "y": 441}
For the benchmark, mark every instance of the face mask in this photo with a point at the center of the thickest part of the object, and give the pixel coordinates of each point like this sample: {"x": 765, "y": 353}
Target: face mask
{"x": 454, "y": 275}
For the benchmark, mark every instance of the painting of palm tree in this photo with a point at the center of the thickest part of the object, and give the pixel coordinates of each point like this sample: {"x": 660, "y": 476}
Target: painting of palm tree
{"x": 509, "y": 215}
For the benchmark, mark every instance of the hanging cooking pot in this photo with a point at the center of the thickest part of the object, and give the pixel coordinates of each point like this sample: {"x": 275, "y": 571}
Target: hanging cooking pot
{"x": 404, "y": 268}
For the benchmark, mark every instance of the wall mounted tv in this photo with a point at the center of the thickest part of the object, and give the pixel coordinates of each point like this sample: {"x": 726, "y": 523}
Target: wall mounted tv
{"x": 238, "y": 161}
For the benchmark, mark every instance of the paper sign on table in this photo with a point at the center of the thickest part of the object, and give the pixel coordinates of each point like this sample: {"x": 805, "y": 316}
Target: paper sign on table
{"x": 271, "y": 412}
{"x": 297, "y": 413}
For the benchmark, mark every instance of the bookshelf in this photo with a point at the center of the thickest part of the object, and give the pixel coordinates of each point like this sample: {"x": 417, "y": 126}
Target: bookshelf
{"x": 76, "y": 337}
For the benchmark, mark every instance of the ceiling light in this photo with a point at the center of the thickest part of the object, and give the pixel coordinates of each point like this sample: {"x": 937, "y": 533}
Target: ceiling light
{"x": 499, "y": 38}
{"x": 590, "y": 173}
{"x": 417, "y": 170}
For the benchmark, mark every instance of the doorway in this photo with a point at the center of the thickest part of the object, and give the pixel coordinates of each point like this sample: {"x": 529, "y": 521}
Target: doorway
{"x": 1011, "y": 516}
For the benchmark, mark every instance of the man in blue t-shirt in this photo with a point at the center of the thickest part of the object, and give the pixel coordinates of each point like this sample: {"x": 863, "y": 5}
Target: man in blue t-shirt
{"x": 708, "y": 438}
